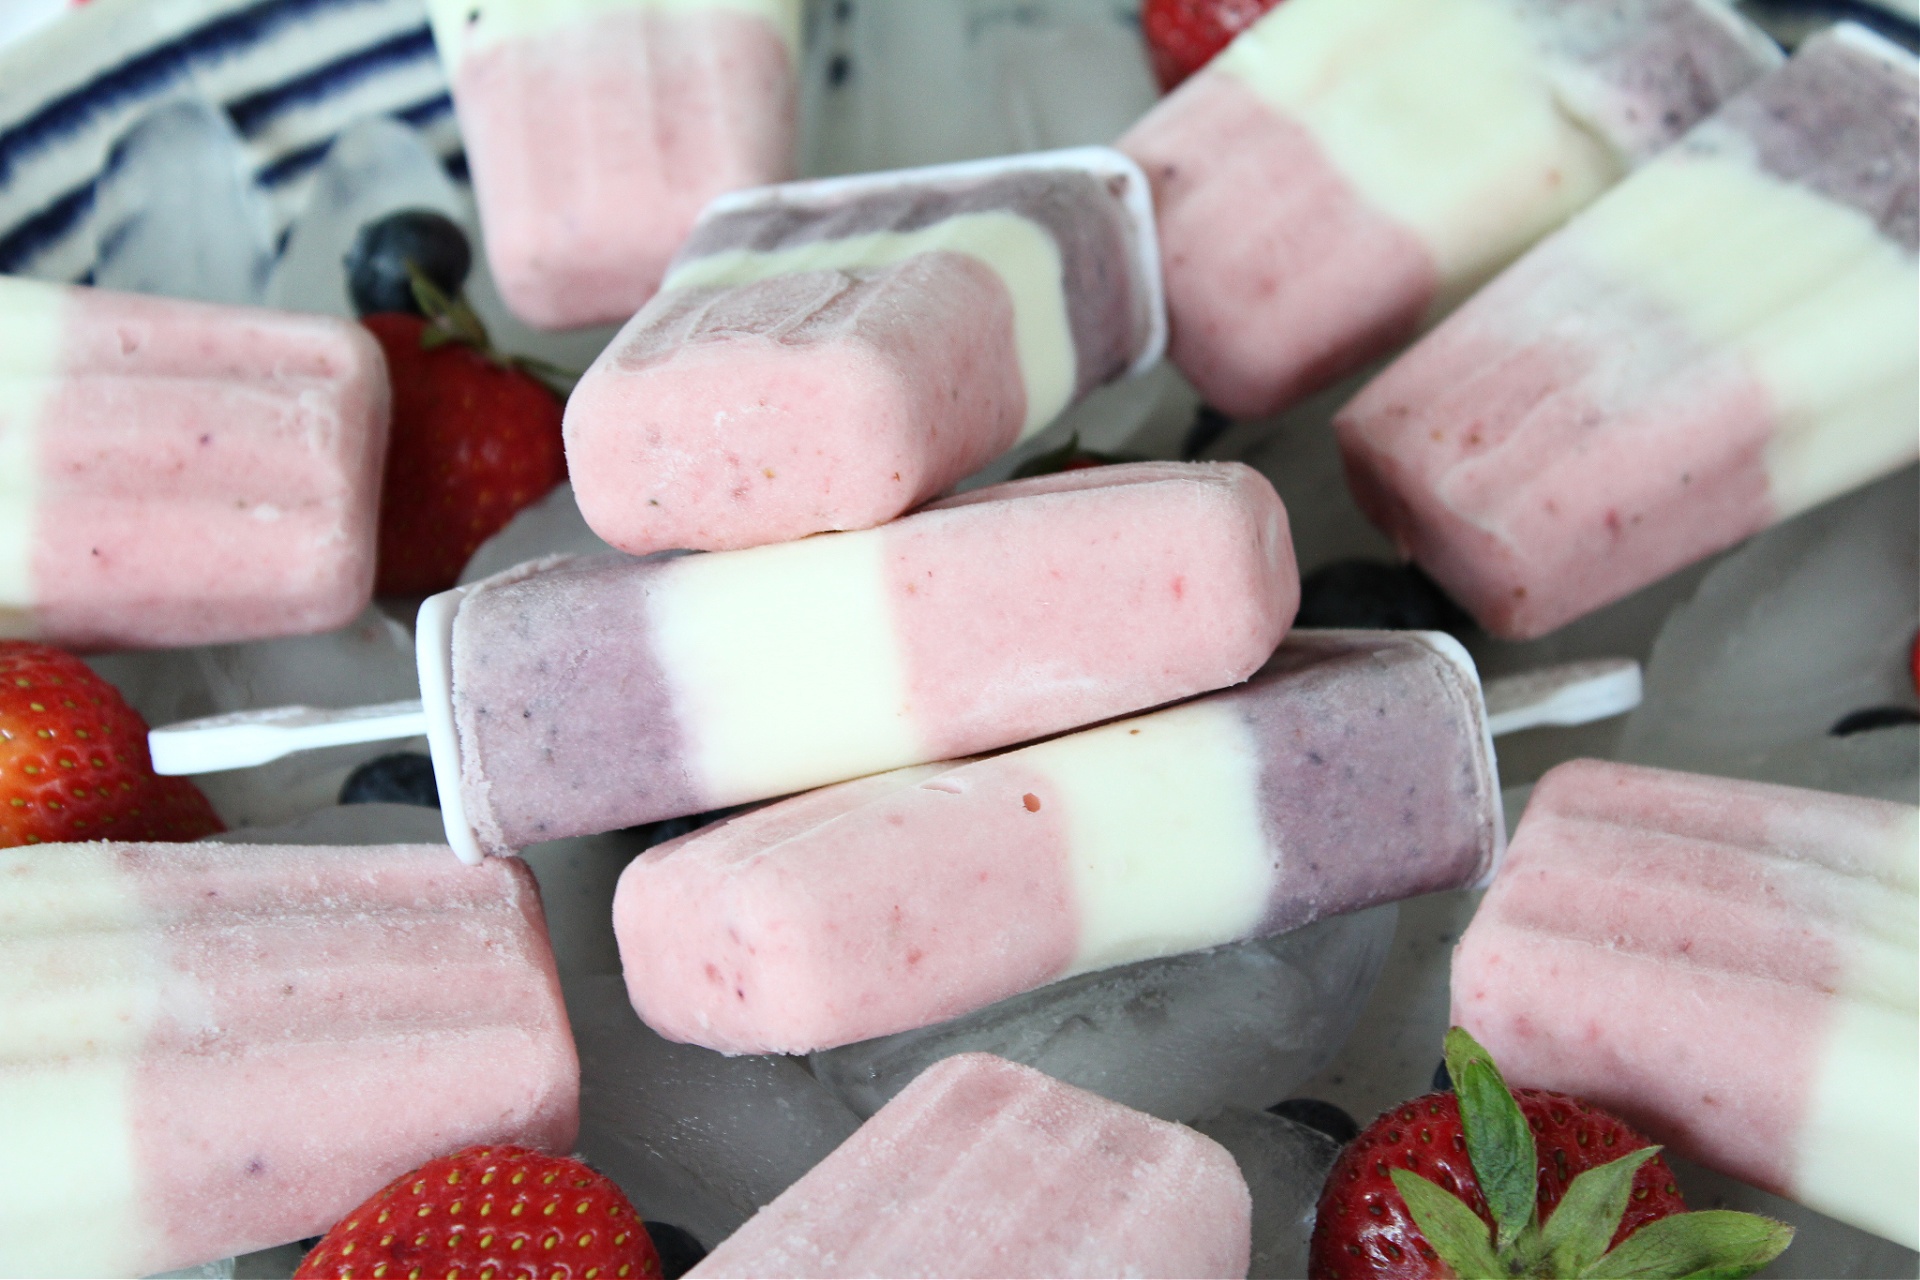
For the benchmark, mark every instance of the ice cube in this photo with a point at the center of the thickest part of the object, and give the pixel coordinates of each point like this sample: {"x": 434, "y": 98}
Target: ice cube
{"x": 375, "y": 167}
{"x": 693, "y": 1137}
{"x": 885, "y": 86}
{"x": 1805, "y": 623}
{"x": 177, "y": 212}
{"x": 1178, "y": 1037}
{"x": 368, "y": 661}
{"x": 1285, "y": 1165}
{"x": 550, "y": 527}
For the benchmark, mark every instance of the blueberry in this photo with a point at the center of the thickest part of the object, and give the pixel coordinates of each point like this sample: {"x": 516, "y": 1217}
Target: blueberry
{"x": 1442, "y": 1078}
{"x": 405, "y": 777}
{"x": 1362, "y": 593}
{"x": 377, "y": 263}
{"x": 1871, "y": 718}
{"x": 1209, "y": 424}
{"x": 1315, "y": 1114}
{"x": 679, "y": 1251}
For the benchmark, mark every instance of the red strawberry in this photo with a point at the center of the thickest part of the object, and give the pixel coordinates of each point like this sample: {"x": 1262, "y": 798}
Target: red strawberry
{"x": 74, "y": 762}
{"x": 473, "y": 441}
{"x": 490, "y": 1212}
{"x": 1184, "y": 35}
{"x": 1407, "y": 1198}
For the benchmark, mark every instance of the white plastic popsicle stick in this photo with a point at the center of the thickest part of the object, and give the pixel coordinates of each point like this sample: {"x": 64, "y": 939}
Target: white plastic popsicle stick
{"x": 1105, "y": 162}
{"x": 244, "y": 738}
{"x": 433, "y": 655}
{"x": 1569, "y": 694}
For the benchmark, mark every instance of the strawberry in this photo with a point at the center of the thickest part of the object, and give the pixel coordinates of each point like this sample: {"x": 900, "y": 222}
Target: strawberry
{"x": 1483, "y": 1182}
{"x": 74, "y": 762}
{"x": 1184, "y": 35}
{"x": 473, "y": 441}
{"x": 489, "y": 1212}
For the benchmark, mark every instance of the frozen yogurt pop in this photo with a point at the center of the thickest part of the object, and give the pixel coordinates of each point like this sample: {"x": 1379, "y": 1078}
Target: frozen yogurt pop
{"x": 825, "y": 355}
{"x": 1730, "y": 966}
{"x": 982, "y": 1167}
{"x": 586, "y": 694}
{"x": 1726, "y": 339}
{"x": 596, "y": 130}
{"x": 208, "y": 1049}
{"x": 1355, "y": 769}
{"x": 175, "y": 473}
{"x": 1349, "y": 169}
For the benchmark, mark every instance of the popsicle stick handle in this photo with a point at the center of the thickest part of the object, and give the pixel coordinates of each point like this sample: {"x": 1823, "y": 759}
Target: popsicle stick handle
{"x": 1573, "y": 693}
{"x": 246, "y": 738}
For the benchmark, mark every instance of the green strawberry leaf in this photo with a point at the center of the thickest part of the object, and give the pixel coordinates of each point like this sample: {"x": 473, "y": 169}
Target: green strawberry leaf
{"x": 1582, "y": 1226}
{"x": 1499, "y": 1143}
{"x": 1715, "y": 1244}
{"x": 1457, "y": 1233}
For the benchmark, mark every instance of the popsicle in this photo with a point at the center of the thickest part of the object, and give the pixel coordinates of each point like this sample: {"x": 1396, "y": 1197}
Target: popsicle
{"x": 175, "y": 473}
{"x": 981, "y": 1167}
{"x": 1731, "y": 966}
{"x": 588, "y": 693}
{"x": 596, "y": 129}
{"x": 1355, "y": 769}
{"x": 825, "y": 355}
{"x": 207, "y": 1049}
{"x": 1726, "y": 339}
{"x": 1350, "y": 169}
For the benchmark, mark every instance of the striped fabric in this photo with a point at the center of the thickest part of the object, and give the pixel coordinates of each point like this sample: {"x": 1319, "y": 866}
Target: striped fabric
{"x": 290, "y": 74}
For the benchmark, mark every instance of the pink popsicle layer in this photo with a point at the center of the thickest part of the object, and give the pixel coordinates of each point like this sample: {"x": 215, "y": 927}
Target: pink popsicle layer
{"x": 198, "y": 474}
{"x": 1692, "y": 953}
{"x": 732, "y": 417}
{"x": 982, "y": 1167}
{"x": 600, "y": 693}
{"x": 596, "y": 143}
{"x": 281, "y": 1029}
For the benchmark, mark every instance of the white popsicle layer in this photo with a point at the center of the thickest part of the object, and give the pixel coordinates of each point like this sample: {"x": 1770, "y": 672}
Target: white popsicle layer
{"x": 175, "y": 473}
{"x": 982, "y": 1167}
{"x": 208, "y": 1049}
{"x": 1731, "y": 966}
{"x": 1354, "y": 770}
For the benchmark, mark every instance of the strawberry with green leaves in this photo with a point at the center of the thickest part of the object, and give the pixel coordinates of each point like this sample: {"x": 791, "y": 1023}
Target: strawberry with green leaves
{"x": 1481, "y": 1183}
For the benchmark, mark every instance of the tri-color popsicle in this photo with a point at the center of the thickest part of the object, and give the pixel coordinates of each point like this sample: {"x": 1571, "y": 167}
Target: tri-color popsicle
{"x": 597, "y": 129}
{"x": 176, "y": 473}
{"x": 208, "y": 1049}
{"x": 1729, "y": 337}
{"x": 1349, "y": 169}
{"x": 1731, "y": 966}
{"x": 1356, "y": 769}
{"x": 825, "y": 355}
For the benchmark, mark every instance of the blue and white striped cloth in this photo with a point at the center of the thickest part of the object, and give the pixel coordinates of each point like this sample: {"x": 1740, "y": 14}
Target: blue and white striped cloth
{"x": 289, "y": 73}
